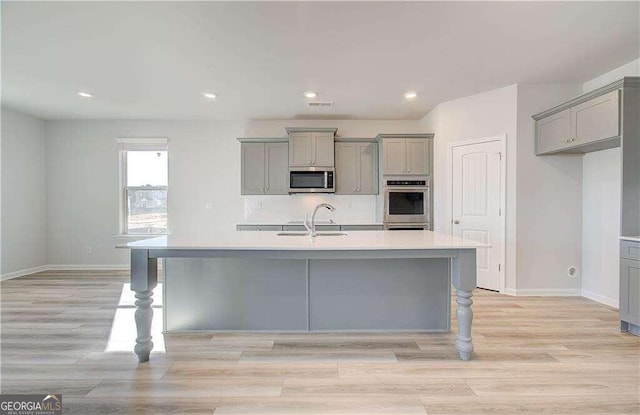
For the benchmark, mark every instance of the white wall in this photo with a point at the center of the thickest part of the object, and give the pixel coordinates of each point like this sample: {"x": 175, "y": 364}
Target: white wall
{"x": 601, "y": 209}
{"x": 601, "y": 226}
{"x": 24, "y": 232}
{"x": 539, "y": 190}
{"x": 549, "y": 201}
{"x": 630, "y": 69}
{"x": 82, "y": 180}
{"x": 204, "y": 168}
{"x": 483, "y": 115}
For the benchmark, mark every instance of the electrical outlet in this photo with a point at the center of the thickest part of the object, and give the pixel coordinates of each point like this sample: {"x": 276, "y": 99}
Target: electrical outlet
{"x": 259, "y": 205}
{"x": 209, "y": 205}
{"x": 572, "y": 271}
{"x": 88, "y": 250}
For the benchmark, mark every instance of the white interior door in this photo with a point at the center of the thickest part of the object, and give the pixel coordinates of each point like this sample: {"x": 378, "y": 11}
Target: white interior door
{"x": 476, "y": 192}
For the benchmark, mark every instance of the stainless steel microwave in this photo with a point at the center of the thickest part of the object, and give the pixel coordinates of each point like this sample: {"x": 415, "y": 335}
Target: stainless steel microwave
{"x": 311, "y": 180}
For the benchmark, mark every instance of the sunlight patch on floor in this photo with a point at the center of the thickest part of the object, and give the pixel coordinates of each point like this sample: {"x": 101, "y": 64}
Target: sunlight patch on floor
{"x": 122, "y": 337}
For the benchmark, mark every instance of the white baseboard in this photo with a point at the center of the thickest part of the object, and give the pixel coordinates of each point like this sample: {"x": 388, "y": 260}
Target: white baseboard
{"x": 87, "y": 267}
{"x": 58, "y": 267}
{"x": 509, "y": 291}
{"x": 544, "y": 292}
{"x": 23, "y": 272}
{"x": 611, "y": 302}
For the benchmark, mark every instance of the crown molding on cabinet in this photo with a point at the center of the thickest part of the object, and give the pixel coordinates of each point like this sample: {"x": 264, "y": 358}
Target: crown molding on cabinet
{"x": 355, "y": 140}
{"x": 413, "y": 135}
{"x": 627, "y": 81}
{"x": 310, "y": 130}
{"x": 263, "y": 140}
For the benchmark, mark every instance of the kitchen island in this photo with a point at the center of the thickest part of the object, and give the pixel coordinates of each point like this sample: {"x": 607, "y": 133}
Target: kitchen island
{"x": 265, "y": 281}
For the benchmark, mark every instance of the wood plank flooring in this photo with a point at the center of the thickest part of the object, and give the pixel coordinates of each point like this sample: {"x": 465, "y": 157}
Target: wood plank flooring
{"x": 71, "y": 333}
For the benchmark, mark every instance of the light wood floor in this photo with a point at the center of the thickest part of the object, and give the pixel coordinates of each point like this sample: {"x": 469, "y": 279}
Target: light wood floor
{"x": 533, "y": 355}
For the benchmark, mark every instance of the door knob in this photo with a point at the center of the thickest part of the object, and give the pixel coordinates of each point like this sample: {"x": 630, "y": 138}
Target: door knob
{"x": 456, "y": 222}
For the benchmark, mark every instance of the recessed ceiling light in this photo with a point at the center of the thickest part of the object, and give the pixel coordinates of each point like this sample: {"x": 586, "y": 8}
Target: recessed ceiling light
{"x": 210, "y": 95}
{"x": 85, "y": 94}
{"x": 410, "y": 94}
{"x": 311, "y": 94}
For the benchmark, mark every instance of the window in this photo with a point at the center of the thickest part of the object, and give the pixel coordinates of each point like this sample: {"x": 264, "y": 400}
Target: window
{"x": 144, "y": 186}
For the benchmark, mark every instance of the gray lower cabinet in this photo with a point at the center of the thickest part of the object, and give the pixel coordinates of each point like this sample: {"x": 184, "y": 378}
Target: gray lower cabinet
{"x": 587, "y": 123}
{"x": 301, "y": 228}
{"x": 265, "y": 228}
{"x": 361, "y": 227}
{"x": 629, "y": 303}
{"x": 265, "y": 168}
{"x": 356, "y": 168}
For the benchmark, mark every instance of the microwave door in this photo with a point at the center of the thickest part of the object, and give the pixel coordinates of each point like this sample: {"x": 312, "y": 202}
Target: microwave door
{"x": 307, "y": 180}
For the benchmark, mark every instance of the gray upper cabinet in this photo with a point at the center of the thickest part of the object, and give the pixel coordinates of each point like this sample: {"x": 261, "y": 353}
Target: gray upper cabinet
{"x": 300, "y": 149}
{"x": 418, "y": 156}
{"x": 406, "y": 156}
{"x": 265, "y": 167}
{"x": 346, "y": 169}
{"x": 252, "y": 175}
{"x": 596, "y": 119}
{"x": 277, "y": 168}
{"x": 587, "y": 123}
{"x": 357, "y": 168}
{"x": 553, "y": 132}
{"x": 311, "y": 148}
{"x": 394, "y": 151}
{"x": 322, "y": 149}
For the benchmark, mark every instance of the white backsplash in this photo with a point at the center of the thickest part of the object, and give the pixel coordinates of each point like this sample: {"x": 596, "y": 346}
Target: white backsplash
{"x": 282, "y": 209}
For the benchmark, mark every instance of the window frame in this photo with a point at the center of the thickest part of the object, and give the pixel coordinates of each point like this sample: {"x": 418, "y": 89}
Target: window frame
{"x": 137, "y": 144}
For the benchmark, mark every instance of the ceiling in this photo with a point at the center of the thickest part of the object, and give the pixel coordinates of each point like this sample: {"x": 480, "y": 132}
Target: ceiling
{"x": 153, "y": 60}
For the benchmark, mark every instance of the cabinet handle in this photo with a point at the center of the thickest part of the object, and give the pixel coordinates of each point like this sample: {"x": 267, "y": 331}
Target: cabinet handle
{"x": 309, "y": 162}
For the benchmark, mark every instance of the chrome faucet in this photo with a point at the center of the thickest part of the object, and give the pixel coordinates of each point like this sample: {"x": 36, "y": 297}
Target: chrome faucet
{"x": 311, "y": 226}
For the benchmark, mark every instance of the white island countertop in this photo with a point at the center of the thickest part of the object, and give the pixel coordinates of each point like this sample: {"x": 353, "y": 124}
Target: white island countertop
{"x": 353, "y": 240}
{"x": 630, "y": 238}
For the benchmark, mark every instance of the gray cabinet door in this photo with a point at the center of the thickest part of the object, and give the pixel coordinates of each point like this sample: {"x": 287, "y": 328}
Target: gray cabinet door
{"x": 322, "y": 149}
{"x": 276, "y": 168}
{"x": 346, "y": 168}
{"x": 629, "y": 306}
{"x": 554, "y": 132}
{"x": 262, "y": 228}
{"x": 596, "y": 119}
{"x": 361, "y": 227}
{"x": 417, "y": 156}
{"x": 394, "y": 155}
{"x": 252, "y": 174}
{"x": 367, "y": 168}
{"x": 300, "y": 149}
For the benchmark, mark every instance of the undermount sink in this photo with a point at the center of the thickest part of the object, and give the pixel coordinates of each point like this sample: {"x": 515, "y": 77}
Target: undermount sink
{"x": 320, "y": 233}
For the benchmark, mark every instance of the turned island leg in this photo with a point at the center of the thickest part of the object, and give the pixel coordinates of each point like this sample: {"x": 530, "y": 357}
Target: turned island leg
{"x": 144, "y": 278}
{"x": 464, "y": 280}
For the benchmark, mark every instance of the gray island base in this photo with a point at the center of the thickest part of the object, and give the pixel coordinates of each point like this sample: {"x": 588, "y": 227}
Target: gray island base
{"x": 259, "y": 281}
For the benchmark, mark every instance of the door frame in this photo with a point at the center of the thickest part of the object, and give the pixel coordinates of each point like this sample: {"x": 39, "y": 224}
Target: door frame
{"x": 502, "y": 225}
